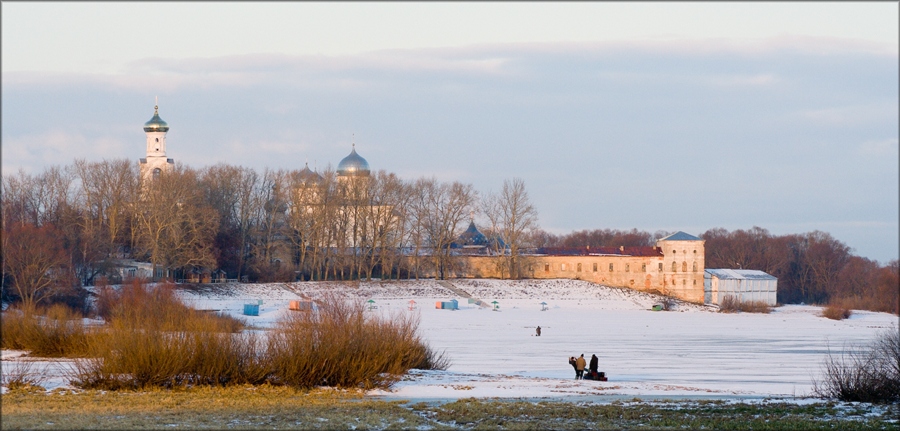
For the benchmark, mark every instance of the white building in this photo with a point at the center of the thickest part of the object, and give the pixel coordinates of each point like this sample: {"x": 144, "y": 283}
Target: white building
{"x": 745, "y": 285}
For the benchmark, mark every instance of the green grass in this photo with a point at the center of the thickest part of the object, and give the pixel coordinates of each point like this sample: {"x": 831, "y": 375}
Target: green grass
{"x": 281, "y": 407}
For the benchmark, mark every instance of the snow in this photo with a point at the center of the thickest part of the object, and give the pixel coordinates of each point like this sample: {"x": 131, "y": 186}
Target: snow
{"x": 691, "y": 352}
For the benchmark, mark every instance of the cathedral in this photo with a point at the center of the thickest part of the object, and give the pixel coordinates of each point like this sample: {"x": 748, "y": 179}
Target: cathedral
{"x": 675, "y": 266}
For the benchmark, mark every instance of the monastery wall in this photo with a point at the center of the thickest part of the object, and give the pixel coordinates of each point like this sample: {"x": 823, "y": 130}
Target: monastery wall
{"x": 678, "y": 271}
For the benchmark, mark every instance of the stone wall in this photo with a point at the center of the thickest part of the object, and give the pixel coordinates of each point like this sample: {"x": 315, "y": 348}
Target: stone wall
{"x": 678, "y": 271}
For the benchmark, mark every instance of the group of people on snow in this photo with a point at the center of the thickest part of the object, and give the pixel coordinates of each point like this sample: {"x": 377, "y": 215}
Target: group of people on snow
{"x": 580, "y": 363}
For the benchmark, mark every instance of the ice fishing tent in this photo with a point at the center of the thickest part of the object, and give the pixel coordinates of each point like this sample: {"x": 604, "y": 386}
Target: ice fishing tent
{"x": 745, "y": 285}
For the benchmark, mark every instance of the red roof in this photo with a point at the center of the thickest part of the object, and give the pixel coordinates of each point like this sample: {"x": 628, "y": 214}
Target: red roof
{"x": 591, "y": 251}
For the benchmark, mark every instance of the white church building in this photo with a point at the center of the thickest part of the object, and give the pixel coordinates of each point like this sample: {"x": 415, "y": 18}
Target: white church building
{"x": 156, "y": 161}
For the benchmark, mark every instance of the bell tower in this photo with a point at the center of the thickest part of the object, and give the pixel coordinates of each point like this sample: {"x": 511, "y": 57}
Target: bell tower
{"x": 156, "y": 162}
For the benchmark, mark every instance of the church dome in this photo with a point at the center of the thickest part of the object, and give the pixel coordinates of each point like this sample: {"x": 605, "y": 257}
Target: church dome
{"x": 353, "y": 165}
{"x": 156, "y": 124}
{"x": 308, "y": 176}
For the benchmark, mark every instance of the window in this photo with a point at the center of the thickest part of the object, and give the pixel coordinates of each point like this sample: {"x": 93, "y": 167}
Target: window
{"x": 156, "y": 173}
{"x": 695, "y": 266}
{"x": 562, "y": 267}
{"x": 595, "y": 266}
{"x": 683, "y": 266}
{"x": 627, "y": 267}
{"x": 610, "y": 267}
{"x": 157, "y": 139}
{"x": 546, "y": 267}
{"x": 660, "y": 267}
{"x": 674, "y": 267}
{"x": 643, "y": 267}
{"x": 579, "y": 267}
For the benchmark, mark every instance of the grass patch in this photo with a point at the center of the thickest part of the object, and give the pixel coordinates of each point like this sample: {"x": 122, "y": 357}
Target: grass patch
{"x": 280, "y": 407}
{"x": 245, "y": 407}
{"x": 731, "y": 304}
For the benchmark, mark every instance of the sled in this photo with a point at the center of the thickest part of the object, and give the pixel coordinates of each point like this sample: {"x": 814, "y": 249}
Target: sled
{"x": 599, "y": 376}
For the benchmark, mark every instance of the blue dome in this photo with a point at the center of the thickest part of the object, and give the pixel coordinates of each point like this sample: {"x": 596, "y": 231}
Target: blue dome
{"x": 353, "y": 165}
{"x": 156, "y": 124}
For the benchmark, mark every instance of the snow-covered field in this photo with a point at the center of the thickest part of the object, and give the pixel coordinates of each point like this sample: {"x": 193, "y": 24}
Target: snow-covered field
{"x": 691, "y": 352}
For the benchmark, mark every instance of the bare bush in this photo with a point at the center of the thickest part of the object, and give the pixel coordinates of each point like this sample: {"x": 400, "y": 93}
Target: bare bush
{"x": 56, "y": 331}
{"x": 864, "y": 373}
{"x": 836, "y": 312}
{"x": 141, "y": 305}
{"x": 340, "y": 345}
{"x": 731, "y": 304}
{"x": 337, "y": 345}
{"x": 20, "y": 375}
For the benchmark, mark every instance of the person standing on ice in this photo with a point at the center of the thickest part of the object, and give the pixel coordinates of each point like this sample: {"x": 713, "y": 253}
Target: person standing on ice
{"x": 538, "y": 330}
{"x": 594, "y": 365}
{"x": 572, "y": 362}
{"x": 579, "y": 367}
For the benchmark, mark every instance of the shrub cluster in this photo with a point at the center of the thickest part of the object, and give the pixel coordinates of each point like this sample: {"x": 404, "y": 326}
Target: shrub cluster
{"x": 866, "y": 374}
{"x": 836, "y": 311}
{"x": 731, "y": 304}
{"x": 341, "y": 345}
{"x": 139, "y": 305}
{"x": 55, "y": 331}
{"x": 337, "y": 345}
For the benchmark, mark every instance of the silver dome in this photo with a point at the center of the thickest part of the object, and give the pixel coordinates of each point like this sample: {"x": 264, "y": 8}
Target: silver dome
{"x": 353, "y": 165}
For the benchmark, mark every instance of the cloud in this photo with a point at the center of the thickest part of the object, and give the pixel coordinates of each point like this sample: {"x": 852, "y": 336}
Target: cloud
{"x": 648, "y": 134}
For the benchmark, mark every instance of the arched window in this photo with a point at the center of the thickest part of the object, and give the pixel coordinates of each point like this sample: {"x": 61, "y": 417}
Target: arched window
{"x": 674, "y": 267}
{"x": 660, "y": 267}
{"x": 595, "y": 266}
{"x": 683, "y": 266}
{"x": 643, "y": 267}
{"x": 156, "y": 173}
{"x": 695, "y": 266}
{"x": 579, "y": 267}
{"x": 627, "y": 267}
{"x": 610, "y": 267}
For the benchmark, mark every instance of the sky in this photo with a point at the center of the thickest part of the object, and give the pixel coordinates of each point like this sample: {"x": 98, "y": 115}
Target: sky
{"x": 655, "y": 116}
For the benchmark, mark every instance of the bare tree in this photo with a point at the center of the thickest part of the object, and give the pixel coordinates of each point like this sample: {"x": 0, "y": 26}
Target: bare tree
{"x": 174, "y": 227}
{"x": 231, "y": 191}
{"x": 35, "y": 261}
{"x": 512, "y": 217}
{"x": 439, "y": 209}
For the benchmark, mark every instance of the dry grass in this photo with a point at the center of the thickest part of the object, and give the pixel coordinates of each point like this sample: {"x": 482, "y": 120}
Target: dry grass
{"x": 56, "y": 331}
{"x": 140, "y": 305}
{"x": 20, "y": 375}
{"x": 268, "y": 407}
{"x": 836, "y": 312}
{"x": 731, "y": 304}
{"x": 339, "y": 345}
{"x": 245, "y": 407}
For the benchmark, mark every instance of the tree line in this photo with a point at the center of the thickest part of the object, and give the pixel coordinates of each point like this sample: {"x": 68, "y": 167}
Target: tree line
{"x": 67, "y": 226}
{"x": 275, "y": 225}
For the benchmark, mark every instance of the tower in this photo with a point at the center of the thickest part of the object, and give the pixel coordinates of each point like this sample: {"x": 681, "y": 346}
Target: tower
{"x": 156, "y": 161}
